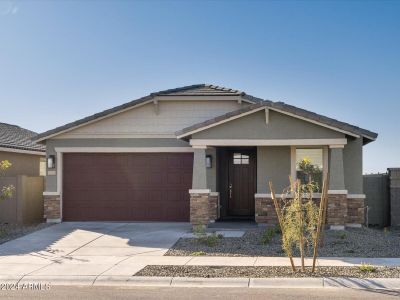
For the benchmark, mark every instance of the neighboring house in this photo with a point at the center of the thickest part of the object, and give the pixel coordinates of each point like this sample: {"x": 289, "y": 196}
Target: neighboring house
{"x": 25, "y": 175}
{"x": 26, "y": 156}
{"x": 198, "y": 153}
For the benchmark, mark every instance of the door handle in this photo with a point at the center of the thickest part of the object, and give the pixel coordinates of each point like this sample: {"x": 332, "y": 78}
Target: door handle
{"x": 230, "y": 191}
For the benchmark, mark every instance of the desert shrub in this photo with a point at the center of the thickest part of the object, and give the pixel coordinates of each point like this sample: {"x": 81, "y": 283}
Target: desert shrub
{"x": 367, "y": 268}
{"x": 202, "y": 236}
{"x": 197, "y": 253}
{"x": 268, "y": 235}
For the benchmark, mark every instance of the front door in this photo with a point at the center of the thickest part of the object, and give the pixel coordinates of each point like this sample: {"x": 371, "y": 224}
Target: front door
{"x": 241, "y": 182}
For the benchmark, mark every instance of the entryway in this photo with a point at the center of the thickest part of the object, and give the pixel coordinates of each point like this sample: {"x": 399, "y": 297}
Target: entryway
{"x": 237, "y": 182}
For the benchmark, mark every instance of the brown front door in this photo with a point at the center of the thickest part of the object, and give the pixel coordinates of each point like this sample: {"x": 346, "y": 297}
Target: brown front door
{"x": 241, "y": 182}
{"x": 126, "y": 186}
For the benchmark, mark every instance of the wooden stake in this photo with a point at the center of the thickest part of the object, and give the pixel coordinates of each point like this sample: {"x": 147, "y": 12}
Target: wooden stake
{"x": 280, "y": 220}
{"x": 301, "y": 221}
{"x": 321, "y": 222}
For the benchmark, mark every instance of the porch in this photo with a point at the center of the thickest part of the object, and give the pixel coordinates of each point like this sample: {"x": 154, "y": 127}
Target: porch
{"x": 230, "y": 180}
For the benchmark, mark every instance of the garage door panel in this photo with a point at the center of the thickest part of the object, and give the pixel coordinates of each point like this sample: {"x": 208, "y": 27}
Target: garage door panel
{"x": 127, "y": 186}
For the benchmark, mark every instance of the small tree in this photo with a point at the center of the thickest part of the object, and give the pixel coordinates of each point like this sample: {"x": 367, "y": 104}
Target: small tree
{"x": 300, "y": 219}
{"x": 312, "y": 172}
{"x": 6, "y": 191}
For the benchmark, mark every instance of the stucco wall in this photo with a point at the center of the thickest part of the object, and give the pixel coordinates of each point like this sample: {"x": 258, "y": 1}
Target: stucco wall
{"x": 273, "y": 164}
{"x": 352, "y": 165}
{"x": 22, "y": 164}
{"x": 212, "y": 172}
{"x": 170, "y": 116}
{"x": 280, "y": 126}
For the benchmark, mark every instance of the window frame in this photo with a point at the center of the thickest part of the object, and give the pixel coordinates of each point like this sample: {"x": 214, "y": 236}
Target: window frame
{"x": 325, "y": 164}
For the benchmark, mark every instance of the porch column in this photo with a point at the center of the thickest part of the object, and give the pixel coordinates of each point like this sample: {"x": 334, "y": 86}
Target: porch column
{"x": 199, "y": 169}
{"x": 336, "y": 173}
{"x": 337, "y": 194}
{"x": 199, "y": 194}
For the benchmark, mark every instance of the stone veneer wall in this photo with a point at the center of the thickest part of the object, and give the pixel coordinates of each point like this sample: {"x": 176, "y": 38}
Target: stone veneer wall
{"x": 199, "y": 208}
{"x": 265, "y": 211}
{"x": 341, "y": 210}
{"x": 52, "y": 209}
{"x": 337, "y": 209}
{"x": 355, "y": 211}
{"x": 213, "y": 205}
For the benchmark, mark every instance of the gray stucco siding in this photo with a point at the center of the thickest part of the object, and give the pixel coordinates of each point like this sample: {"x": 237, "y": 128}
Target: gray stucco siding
{"x": 273, "y": 164}
{"x": 212, "y": 172}
{"x": 352, "y": 165}
{"x": 280, "y": 126}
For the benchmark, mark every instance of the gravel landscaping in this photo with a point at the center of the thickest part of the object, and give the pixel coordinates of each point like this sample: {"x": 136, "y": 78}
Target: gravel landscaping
{"x": 10, "y": 232}
{"x": 265, "y": 272}
{"x": 354, "y": 242}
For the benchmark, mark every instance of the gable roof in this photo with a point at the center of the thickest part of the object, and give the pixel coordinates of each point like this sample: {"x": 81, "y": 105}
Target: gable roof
{"x": 15, "y": 137}
{"x": 212, "y": 90}
{"x": 285, "y": 109}
{"x": 190, "y": 90}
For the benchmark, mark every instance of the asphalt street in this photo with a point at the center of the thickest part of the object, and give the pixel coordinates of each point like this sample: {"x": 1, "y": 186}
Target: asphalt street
{"x": 157, "y": 293}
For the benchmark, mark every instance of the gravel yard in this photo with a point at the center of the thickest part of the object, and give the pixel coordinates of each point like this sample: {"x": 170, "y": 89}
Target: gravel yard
{"x": 265, "y": 272}
{"x": 9, "y": 232}
{"x": 354, "y": 242}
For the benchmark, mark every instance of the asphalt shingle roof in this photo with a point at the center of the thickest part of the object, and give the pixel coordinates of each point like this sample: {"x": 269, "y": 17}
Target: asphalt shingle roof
{"x": 15, "y": 137}
{"x": 213, "y": 90}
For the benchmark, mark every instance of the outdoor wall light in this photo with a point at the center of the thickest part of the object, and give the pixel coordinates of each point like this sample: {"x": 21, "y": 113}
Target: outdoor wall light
{"x": 209, "y": 161}
{"x": 51, "y": 161}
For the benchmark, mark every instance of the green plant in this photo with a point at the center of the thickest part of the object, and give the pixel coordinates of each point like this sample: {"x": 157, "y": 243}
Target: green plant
{"x": 267, "y": 235}
{"x": 198, "y": 253}
{"x": 211, "y": 240}
{"x": 300, "y": 219}
{"x": 367, "y": 268}
{"x": 199, "y": 231}
{"x": 202, "y": 237}
{"x": 7, "y": 191}
{"x": 342, "y": 235}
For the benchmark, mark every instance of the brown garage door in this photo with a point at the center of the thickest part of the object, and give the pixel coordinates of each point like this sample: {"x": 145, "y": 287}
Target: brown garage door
{"x": 126, "y": 186}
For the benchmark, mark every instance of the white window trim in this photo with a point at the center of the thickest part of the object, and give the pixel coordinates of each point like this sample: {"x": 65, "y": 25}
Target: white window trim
{"x": 13, "y": 150}
{"x": 260, "y": 142}
{"x": 325, "y": 160}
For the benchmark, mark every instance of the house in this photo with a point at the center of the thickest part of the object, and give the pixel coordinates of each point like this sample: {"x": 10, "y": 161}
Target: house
{"x": 26, "y": 156}
{"x": 26, "y": 173}
{"x": 198, "y": 153}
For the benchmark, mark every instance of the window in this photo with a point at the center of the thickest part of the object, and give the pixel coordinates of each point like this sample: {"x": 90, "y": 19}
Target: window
{"x": 241, "y": 159}
{"x": 309, "y": 166}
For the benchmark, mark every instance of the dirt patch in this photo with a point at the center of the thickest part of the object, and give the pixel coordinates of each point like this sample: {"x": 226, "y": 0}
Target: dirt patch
{"x": 354, "y": 242}
{"x": 265, "y": 272}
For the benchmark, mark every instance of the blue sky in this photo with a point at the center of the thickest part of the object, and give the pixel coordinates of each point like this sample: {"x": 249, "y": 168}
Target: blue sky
{"x": 61, "y": 61}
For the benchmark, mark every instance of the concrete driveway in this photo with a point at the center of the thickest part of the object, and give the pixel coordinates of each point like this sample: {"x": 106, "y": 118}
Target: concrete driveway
{"x": 89, "y": 250}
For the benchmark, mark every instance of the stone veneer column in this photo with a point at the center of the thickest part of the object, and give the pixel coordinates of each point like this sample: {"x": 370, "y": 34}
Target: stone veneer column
{"x": 337, "y": 195}
{"x": 199, "y": 194}
{"x": 52, "y": 208}
{"x": 355, "y": 211}
{"x": 265, "y": 213}
{"x": 213, "y": 206}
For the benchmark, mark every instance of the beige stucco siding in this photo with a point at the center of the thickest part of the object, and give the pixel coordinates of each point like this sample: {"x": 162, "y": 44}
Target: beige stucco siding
{"x": 273, "y": 164}
{"x": 280, "y": 126}
{"x": 164, "y": 119}
{"x": 22, "y": 164}
{"x": 352, "y": 166}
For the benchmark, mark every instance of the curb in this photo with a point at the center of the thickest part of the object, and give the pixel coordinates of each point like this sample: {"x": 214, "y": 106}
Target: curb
{"x": 300, "y": 283}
